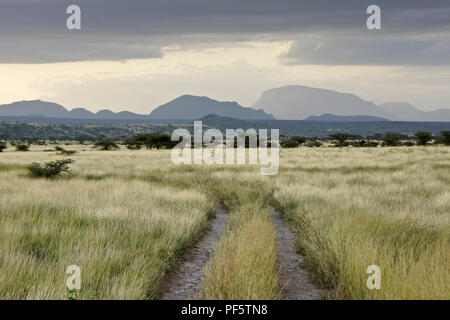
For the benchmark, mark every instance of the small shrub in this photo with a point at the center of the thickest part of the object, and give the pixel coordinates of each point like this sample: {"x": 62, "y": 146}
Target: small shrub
{"x": 300, "y": 140}
{"x": 341, "y": 138}
{"x": 372, "y": 144}
{"x": 3, "y": 146}
{"x": 290, "y": 143}
{"x": 50, "y": 169}
{"x": 62, "y": 151}
{"x": 313, "y": 143}
{"x": 22, "y": 147}
{"x": 364, "y": 144}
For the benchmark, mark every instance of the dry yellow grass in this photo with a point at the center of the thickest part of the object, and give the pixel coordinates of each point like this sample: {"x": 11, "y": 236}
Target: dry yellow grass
{"x": 125, "y": 216}
{"x": 245, "y": 262}
{"x": 356, "y": 207}
{"x": 124, "y": 234}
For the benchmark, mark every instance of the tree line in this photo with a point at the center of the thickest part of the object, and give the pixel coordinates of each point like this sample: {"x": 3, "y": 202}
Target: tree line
{"x": 160, "y": 140}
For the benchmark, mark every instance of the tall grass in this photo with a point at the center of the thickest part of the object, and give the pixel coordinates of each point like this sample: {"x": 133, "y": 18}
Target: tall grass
{"x": 124, "y": 234}
{"x": 125, "y": 217}
{"x": 245, "y": 262}
{"x": 348, "y": 215}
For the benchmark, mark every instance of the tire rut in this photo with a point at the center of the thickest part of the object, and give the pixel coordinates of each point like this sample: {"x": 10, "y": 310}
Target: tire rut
{"x": 186, "y": 282}
{"x": 296, "y": 283}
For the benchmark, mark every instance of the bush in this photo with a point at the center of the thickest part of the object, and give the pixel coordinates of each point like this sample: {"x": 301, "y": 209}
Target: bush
{"x": 150, "y": 141}
{"x": 313, "y": 143}
{"x": 365, "y": 144}
{"x": 3, "y": 146}
{"x": 50, "y": 169}
{"x": 392, "y": 139}
{"x": 290, "y": 143}
{"x": 22, "y": 147}
{"x": 300, "y": 140}
{"x": 422, "y": 137}
{"x": 341, "y": 138}
{"x": 62, "y": 151}
{"x": 444, "y": 138}
{"x": 106, "y": 145}
{"x": 132, "y": 145}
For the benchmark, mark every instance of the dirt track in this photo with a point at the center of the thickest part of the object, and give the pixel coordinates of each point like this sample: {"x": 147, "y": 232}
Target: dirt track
{"x": 186, "y": 282}
{"x": 295, "y": 280}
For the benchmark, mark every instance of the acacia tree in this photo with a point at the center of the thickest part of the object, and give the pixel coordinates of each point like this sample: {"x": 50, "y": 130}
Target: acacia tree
{"x": 392, "y": 139}
{"x": 445, "y": 137}
{"x": 106, "y": 145}
{"x": 150, "y": 140}
{"x": 422, "y": 137}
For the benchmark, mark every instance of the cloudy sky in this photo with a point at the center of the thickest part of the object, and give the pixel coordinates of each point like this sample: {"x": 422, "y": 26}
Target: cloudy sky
{"x": 138, "y": 54}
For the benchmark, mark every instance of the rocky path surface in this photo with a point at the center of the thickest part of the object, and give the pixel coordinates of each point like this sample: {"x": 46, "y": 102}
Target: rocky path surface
{"x": 186, "y": 282}
{"x": 295, "y": 280}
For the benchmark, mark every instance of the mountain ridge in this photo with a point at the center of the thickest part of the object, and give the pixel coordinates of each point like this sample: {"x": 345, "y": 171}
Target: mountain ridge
{"x": 300, "y": 102}
{"x": 195, "y": 107}
{"x": 184, "y": 107}
{"x": 284, "y": 103}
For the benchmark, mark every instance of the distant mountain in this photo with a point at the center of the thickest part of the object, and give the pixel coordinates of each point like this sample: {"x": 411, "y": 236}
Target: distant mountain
{"x": 300, "y": 102}
{"x": 53, "y": 110}
{"x": 34, "y": 108}
{"x": 407, "y": 112}
{"x": 334, "y": 118}
{"x": 195, "y": 107}
{"x": 81, "y": 113}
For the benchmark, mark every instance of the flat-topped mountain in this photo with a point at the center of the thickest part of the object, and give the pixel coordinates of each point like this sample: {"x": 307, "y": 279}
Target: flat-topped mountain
{"x": 301, "y": 102}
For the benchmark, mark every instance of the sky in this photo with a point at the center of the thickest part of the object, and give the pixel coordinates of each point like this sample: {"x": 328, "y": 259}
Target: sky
{"x": 138, "y": 54}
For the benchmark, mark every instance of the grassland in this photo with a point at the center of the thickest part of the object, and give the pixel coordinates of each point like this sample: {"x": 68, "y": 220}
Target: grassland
{"x": 125, "y": 217}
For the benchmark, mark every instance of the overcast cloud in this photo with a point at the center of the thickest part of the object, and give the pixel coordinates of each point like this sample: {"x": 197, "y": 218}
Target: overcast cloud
{"x": 414, "y": 32}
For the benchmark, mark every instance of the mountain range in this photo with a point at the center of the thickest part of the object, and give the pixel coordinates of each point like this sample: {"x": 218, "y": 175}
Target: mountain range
{"x": 300, "y": 102}
{"x": 285, "y": 103}
{"x": 186, "y": 107}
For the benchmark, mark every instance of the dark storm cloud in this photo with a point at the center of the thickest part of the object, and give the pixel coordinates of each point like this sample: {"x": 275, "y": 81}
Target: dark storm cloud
{"x": 34, "y": 31}
{"x": 378, "y": 50}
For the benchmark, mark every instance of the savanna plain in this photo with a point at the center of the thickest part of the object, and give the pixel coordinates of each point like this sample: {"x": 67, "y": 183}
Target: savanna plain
{"x": 125, "y": 218}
